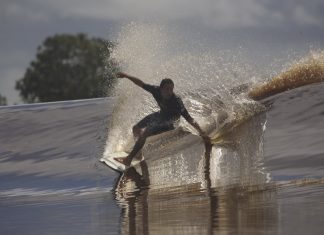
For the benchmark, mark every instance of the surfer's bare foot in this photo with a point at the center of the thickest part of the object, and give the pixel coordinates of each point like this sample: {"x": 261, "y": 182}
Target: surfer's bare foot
{"x": 122, "y": 160}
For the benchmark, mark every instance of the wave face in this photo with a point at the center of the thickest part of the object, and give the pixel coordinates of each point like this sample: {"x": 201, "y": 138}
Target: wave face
{"x": 51, "y": 180}
{"x": 51, "y": 146}
{"x": 49, "y": 171}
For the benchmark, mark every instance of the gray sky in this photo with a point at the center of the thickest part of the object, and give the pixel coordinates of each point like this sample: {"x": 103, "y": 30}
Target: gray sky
{"x": 266, "y": 25}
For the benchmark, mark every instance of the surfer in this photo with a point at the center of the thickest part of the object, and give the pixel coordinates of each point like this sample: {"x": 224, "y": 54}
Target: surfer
{"x": 171, "y": 108}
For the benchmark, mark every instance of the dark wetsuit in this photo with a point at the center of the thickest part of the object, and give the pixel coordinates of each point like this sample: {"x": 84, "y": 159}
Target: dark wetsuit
{"x": 170, "y": 112}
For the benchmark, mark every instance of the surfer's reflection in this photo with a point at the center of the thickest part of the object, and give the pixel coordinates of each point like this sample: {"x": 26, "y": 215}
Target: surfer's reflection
{"x": 176, "y": 194}
{"x": 131, "y": 187}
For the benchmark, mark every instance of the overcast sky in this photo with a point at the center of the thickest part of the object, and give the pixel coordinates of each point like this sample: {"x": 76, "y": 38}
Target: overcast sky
{"x": 24, "y": 24}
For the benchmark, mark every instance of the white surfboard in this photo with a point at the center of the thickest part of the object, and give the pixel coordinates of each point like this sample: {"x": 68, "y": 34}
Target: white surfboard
{"x": 115, "y": 165}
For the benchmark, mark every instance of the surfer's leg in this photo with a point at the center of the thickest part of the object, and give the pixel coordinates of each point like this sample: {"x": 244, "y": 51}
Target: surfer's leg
{"x": 142, "y": 124}
{"x": 137, "y": 147}
{"x": 152, "y": 124}
{"x": 152, "y": 129}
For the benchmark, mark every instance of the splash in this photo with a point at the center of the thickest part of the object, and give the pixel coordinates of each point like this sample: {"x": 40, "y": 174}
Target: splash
{"x": 308, "y": 70}
{"x": 204, "y": 80}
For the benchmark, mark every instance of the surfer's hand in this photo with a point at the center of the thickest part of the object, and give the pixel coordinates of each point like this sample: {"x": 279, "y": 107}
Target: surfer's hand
{"x": 205, "y": 137}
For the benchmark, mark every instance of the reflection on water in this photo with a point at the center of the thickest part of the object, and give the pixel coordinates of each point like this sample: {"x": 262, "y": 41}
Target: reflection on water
{"x": 202, "y": 189}
{"x": 53, "y": 187}
{"x": 200, "y": 212}
{"x": 94, "y": 213}
{"x": 219, "y": 189}
{"x": 186, "y": 210}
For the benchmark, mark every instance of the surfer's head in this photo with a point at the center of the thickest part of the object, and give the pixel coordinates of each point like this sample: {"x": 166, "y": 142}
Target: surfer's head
{"x": 166, "y": 88}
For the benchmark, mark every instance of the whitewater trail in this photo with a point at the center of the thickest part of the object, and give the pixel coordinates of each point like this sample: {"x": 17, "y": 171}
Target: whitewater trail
{"x": 218, "y": 89}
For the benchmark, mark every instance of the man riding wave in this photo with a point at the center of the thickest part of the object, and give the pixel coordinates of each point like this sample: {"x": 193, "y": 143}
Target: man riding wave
{"x": 171, "y": 108}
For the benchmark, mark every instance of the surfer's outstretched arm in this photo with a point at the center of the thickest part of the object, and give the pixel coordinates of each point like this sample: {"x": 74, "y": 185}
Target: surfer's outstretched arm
{"x": 135, "y": 80}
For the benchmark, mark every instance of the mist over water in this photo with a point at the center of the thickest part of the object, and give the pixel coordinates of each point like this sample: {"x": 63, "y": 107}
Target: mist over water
{"x": 203, "y": 79}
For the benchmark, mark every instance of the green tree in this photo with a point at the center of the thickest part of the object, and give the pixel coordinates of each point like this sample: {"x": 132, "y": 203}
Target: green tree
{"x": 3, "y": 100}
{"x": 68, "y": 67}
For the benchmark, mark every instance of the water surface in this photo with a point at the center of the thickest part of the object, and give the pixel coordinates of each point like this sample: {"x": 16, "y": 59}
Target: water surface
{"x": 266, "y": 179}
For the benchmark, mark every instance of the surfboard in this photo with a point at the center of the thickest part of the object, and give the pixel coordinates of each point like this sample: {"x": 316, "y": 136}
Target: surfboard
{"x": 165, "y": 139}
{"x": 115, "y": 165}
{"x": 152, "y": 142}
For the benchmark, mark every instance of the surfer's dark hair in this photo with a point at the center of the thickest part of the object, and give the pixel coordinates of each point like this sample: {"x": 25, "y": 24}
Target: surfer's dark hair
{"x": 166, "y": 81}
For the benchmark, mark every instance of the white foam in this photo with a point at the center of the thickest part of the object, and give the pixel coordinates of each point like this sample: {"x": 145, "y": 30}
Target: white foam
{"x": 152, "y": 53}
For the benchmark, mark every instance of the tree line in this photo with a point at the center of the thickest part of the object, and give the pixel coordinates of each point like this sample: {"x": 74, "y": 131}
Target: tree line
{"x": 3, "y": 100}
{"x": 69, "y": 67}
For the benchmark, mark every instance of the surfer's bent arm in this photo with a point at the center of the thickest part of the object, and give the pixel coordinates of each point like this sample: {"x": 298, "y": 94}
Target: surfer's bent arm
{"x": 192, "y": 121}
{"x": 196, "y": 126}
{"x": 135, "y": 80}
